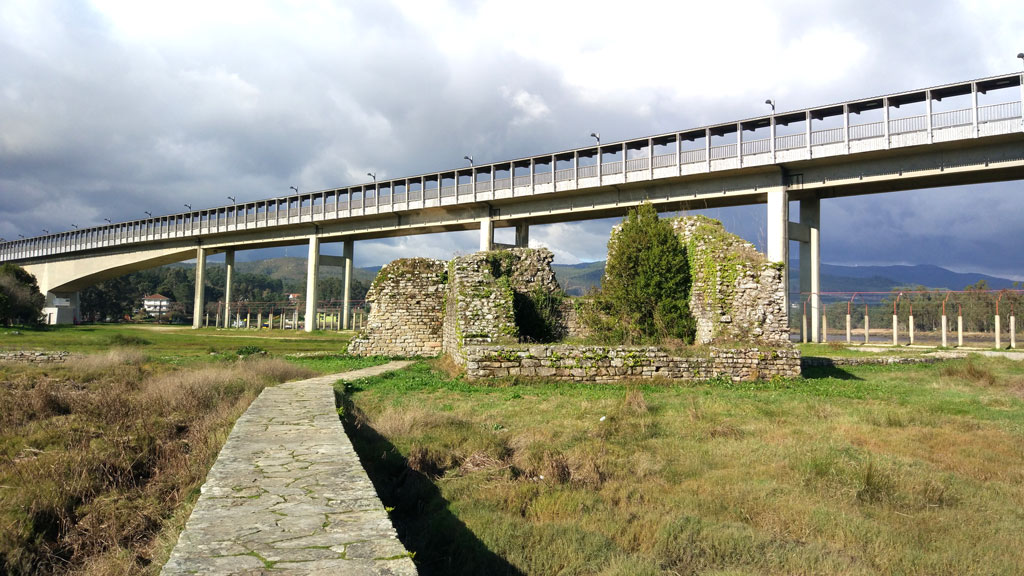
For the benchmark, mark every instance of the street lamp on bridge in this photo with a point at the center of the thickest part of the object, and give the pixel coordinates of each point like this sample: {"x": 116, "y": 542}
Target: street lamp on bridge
{"x": 596, "y": 135}
{"x": 75, "y": 226}
{"x": 45, "y": 231}
{"x": 470, "y": 158}
{"x": 232, "y": 198}
{"x": 1021, "y": 56}
{"x": 148, "y": 213}
{"x": 372, "y": 175}
{"x": 189, "y": 206}
{"x": 294, "y": 188}
{"x": 771, "y": 102}
{"x": 108, "y": 220}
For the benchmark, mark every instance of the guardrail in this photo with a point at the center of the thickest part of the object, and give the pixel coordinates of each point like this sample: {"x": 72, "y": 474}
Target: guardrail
{"x": 353, "y": 201}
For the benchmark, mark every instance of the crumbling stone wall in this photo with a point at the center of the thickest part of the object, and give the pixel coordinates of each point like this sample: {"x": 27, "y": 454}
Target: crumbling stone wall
{"x": 605, "y": 364}
{"x": 407, "y": 298}
{"x": 34, "y": 356}
{"x": 480, "y": 301}
{"x": 736, "y": 295}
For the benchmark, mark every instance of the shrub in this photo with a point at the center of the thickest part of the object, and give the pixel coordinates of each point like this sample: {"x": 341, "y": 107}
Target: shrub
{"x": 645, "y": 293}
{"x": 20, "y": 299}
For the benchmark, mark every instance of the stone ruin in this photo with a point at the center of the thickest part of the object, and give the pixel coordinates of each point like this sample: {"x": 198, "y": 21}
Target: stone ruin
{"x": 482, "y": 311}
{"x": 736, "y": 294}
{"x": 407, "y": 297}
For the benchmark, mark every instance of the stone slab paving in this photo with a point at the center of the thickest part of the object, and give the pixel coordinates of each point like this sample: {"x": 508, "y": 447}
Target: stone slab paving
{"x": 287, "y": 495}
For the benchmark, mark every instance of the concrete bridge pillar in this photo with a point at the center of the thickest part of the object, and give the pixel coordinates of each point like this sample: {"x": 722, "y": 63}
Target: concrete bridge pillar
{"x": 778, "y": 234}
{"x": 522, "y": 234}
{"x": 197, "y": 311}
{"x": 61, "y": 308}
{"x": 347, "y": 252}
{"x": 312, "y": 272}
{"x": 810, "y": 261}
{"x": 229, "y": 268}
{"x": 486, "y": 234}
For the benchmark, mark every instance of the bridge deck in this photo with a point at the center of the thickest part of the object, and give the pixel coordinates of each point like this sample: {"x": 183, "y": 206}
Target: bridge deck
{"x": 288, "y": 492}
{"x": 962, "y": 111}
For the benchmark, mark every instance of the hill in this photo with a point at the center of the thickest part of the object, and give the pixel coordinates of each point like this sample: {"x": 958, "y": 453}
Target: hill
{"x": 576, "y": 279}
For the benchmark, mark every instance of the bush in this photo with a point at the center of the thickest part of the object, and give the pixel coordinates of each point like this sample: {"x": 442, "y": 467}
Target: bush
{"x": 20, "y": 299}
{"x": 645, "y": 293}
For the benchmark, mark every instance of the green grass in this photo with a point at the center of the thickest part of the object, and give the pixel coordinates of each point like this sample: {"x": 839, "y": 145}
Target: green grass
{"x": 170, "y": 341}
{"x": 338, "y": 363}
{"x": 862, "y": 470}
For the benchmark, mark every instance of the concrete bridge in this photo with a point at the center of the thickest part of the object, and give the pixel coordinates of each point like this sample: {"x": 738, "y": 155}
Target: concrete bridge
{"x": 962, "y": 133}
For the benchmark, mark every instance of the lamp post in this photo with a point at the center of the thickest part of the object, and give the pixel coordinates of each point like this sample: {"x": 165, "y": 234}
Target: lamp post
{"x": 374, "y": 176}
{"x": 45, "y": 231}
{"x": 148, "y": 213}
{"x": 75, "y": 226}
{"x": 189, "y": 206}
{"x": 470, "y": 158}
{"x": 232, "y": 198}
{"x": 1021, "y": 56}
{"x": 294, "y": 188}
{"x": 597, "y": 136}
{"x": 771, "y": 102}
{"x": 108, "y": 220}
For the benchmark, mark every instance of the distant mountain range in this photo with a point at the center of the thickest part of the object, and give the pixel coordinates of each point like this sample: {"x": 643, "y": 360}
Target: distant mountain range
{"x": 576, "y": 279}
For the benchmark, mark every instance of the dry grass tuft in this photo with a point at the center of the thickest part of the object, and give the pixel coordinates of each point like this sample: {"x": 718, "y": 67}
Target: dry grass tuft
{"x": 110, "y": 452}
{"x": 970, "y": 371}
{"x": 634, "y": 401}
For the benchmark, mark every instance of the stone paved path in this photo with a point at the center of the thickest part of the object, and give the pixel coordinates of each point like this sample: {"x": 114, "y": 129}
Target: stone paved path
{"x": 287, "y": 495}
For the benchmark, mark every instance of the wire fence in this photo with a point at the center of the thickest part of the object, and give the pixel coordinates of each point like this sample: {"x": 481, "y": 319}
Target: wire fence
{"x": 946, "y": 318}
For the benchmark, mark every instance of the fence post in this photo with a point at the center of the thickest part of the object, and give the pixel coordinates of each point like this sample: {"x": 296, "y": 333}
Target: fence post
{"x": 910, "y": 324}
{"x": 895, "y": 330}
{"x": 959, "y": 330}
{"x": 824, "y": 328}
{"x": 866, "y": 323}
{"x": 259, "y": 320}
{"x": 943, "y": 330}
{"x": 1013, "y": 331}
{"x": 848, "y": 333}
{"x": 997, "y": 331}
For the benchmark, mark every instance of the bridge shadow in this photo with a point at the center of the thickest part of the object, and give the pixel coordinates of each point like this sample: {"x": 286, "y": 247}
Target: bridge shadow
{"x": 821, "y": 368}
{"x": 441, "y": 543}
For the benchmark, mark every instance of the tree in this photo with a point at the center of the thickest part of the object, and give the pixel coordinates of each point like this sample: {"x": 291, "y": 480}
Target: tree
{"x": 20, "y": 299}
{"x": 645, "y": 292}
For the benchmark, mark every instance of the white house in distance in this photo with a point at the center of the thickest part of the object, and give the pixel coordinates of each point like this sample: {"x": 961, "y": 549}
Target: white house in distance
{"x": 156, "y": 304}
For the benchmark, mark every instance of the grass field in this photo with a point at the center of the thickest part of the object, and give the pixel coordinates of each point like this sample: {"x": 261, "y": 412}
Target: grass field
{"x": 101, "y": 457}
{"x": 870, "y": 470}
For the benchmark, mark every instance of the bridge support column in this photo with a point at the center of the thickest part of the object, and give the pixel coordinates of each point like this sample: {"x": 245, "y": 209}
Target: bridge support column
{"x": 61, "y": 308}
{"x": 229, "y": 268}
{"x": 486, "y": 234}
{"x": 522, "y": 235}
{"x": 347, "y": 251}
{"x": 778, "y": 236}
{"x": 312, "y": 272}
{"x": 810, "y": 261}
{"x": 197, "y": 310}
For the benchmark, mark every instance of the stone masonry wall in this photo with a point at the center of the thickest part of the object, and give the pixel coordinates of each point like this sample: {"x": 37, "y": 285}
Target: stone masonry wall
{"x": 604, "y": 364}
{"x": 34, "y": 356}
{"x": 407, "y": 298}
{"x": 481, "y": 292}
{"x": 737, "y": 296}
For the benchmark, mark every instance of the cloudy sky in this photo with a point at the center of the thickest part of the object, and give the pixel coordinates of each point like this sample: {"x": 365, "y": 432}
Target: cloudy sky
{"x": 110, "y": 108}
